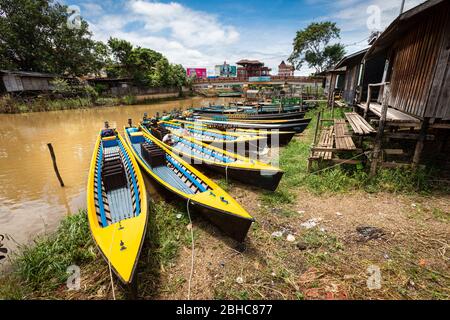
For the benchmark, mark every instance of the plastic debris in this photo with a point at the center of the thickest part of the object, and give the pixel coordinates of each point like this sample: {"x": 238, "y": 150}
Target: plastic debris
{"x": 311, "y": 223}
{"x": 301, "y": 212}
{"x": 240, "y": 280}
{"x": 179, "y": 216}
{"x": 277, "y": 234}
{"x": 290, "y": 238}
{"x": 338, "y": 214}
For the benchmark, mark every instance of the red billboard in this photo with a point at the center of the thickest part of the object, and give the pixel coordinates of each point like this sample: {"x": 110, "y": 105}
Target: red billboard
{"x": 199, "y": 73}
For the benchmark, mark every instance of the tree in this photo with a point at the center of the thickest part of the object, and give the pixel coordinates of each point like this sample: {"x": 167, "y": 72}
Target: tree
{"x": 137, "y": 63}
{"x": 34, "y": 36}
{"x": 311, "y": 45}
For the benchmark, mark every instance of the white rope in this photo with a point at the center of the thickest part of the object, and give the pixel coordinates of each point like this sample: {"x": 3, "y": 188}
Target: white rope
{"x": 226, "y": 173}
{"x": 192, "y": 251}
{"x": 343, "y": 162}
{"x": 109, "y": 265}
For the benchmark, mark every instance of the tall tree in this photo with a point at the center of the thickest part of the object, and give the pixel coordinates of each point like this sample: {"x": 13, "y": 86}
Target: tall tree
{"x": 135, "y": 62}
{"x": 311, "y": 45}
{"x": 35, "y": 36}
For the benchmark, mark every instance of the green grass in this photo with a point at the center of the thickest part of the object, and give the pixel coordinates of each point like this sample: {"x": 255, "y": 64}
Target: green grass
{"x": 167, "y": 233}
{"x": 11, "y": 105}
{"x": 39, "y": 270}
{"x": 42, "y": 266}
{"x": 343, "y": 178}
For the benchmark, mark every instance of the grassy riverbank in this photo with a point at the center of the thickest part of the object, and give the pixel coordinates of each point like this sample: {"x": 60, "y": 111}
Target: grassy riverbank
{"x": 340, "y": 224}
{"x": 39, "y": 271}
{"x": 13, "y": 105}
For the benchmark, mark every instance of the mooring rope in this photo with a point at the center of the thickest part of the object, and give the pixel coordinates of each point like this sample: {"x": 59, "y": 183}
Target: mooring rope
{"x": 109, "y": 265}
{"x": 343, "y": 162}
{"x": 192, "y": 250}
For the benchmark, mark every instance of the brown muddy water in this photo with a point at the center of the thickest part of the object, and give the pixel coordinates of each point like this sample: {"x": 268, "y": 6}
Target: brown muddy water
{"x": 31, "y": 200}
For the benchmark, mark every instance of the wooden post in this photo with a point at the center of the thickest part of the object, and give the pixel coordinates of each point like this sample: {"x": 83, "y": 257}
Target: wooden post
{"x": 420, "y": 142}
{"x": 55, "y": 166}
{"x": 369, "y": 96}
{"x": 332, "y": 104}
{"x": 379, "y": 138}
{"x": 317, "y": 128}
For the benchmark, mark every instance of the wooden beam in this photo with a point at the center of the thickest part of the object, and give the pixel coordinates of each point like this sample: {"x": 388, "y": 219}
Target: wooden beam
{"x": 317, "y": 128}
{"x": 369, "y": 96}
{"x": 408, "y": 136}
{"x": 379, "y": 138}
{"x": 420, "y": 142}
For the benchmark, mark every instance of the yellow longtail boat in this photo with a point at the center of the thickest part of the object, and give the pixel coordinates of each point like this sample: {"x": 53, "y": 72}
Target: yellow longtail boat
{"x": 116, "y": 204}
{"x": 201, "y": 194}
{"x": 234, "y": 166}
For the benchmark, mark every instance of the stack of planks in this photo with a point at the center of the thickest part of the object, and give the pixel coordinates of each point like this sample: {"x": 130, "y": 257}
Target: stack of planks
{"x": 342, "y": 136}
{"x": 326, "y": 141}
{"x": 359, "y": 125}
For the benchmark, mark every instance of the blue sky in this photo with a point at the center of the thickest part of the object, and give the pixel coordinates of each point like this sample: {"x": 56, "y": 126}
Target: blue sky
{"x": 203, "y": 33}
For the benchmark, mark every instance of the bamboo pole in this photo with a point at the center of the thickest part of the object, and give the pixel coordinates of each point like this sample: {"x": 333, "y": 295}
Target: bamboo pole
{"x": 55, "y": 166}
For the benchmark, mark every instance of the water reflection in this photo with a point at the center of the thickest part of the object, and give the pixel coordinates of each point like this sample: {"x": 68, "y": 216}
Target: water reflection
{"x": 31, "y": 200}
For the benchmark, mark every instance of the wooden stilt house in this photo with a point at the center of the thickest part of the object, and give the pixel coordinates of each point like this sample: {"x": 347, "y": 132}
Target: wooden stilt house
{"x": 415, "y": 87}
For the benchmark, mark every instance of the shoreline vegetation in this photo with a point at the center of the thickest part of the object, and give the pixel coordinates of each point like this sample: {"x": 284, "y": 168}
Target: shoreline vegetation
{"x": 327, "y": 260}
{"x": 10, "y": 105}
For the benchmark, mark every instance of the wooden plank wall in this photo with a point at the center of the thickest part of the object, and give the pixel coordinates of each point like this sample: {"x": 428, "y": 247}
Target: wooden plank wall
{"x": 439, "y": 101}
{"x": 414, "y": 66}
{"x": 351, "y": 78}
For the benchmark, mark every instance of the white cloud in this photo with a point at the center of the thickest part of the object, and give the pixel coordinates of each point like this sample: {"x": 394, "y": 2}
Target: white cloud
{"x": 92, "y": 8}
{"x": 199, "y": 39}
{"x": 192, "y": 38}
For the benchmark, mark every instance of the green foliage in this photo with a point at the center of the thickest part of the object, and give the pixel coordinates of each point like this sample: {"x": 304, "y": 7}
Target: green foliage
{"x": 343, "y": 178}
{"x": 35, "y": 37}
{"x": 145, "y": 66}
{"x": 44, "y": 265}
{"x": 60, "y": 86}
{"x": 311, "y": 45}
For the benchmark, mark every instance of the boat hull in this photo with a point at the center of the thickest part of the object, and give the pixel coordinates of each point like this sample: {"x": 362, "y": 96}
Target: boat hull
{"x": 118, "y": 234}
{"x": 297, "y": 127}
{"x": 251, "y": 116}
{"x": 233, "y": 226}
{"x": 222, "y": 219}
{"x": 266, "y": 180}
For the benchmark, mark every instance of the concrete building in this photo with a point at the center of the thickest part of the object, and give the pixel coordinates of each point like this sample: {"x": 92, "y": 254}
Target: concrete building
{"x": 285, "y": 70}
{"x": 252, "y": 68}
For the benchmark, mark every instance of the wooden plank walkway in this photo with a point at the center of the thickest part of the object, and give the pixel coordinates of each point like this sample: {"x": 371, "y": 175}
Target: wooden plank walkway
{"x": 340, "y": 104}
{"x": 326, "y": 141}
{"x": 393, "y": 115}
{"x": 342, "y": 136}
{"x": 359, "y": 125}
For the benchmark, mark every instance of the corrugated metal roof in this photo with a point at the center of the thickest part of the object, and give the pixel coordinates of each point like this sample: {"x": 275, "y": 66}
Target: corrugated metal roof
{"x": 30, "y": 74}
{"x": 399, "y": 26}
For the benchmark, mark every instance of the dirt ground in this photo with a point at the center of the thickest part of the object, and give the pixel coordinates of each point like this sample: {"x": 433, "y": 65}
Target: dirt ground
{"x": 329, "y": 261}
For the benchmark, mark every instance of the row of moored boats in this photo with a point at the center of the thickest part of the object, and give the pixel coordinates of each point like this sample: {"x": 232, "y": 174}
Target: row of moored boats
{"x": 170, "y": 152}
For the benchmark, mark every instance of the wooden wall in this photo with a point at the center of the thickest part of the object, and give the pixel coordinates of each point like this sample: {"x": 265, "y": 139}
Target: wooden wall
{"x": 351, "y": 82}
{"x": 414, "y": 70}
{"x": 16, "y": 83}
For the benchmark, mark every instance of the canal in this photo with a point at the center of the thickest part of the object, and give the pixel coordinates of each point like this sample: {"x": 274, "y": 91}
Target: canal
{"x": 31, "y": 200}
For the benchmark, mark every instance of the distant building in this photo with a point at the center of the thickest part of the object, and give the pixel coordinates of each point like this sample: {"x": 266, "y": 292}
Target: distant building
{"x": 199, "y": 73}
{"x": 285, "y": 70}
{"x": 252, "y": 68}
{"x": 20, "y": 81}
{"x": 226, "y": 70}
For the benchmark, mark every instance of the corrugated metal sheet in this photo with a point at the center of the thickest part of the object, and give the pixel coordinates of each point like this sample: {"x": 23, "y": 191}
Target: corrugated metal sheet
{"x": 415, "y": 65}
